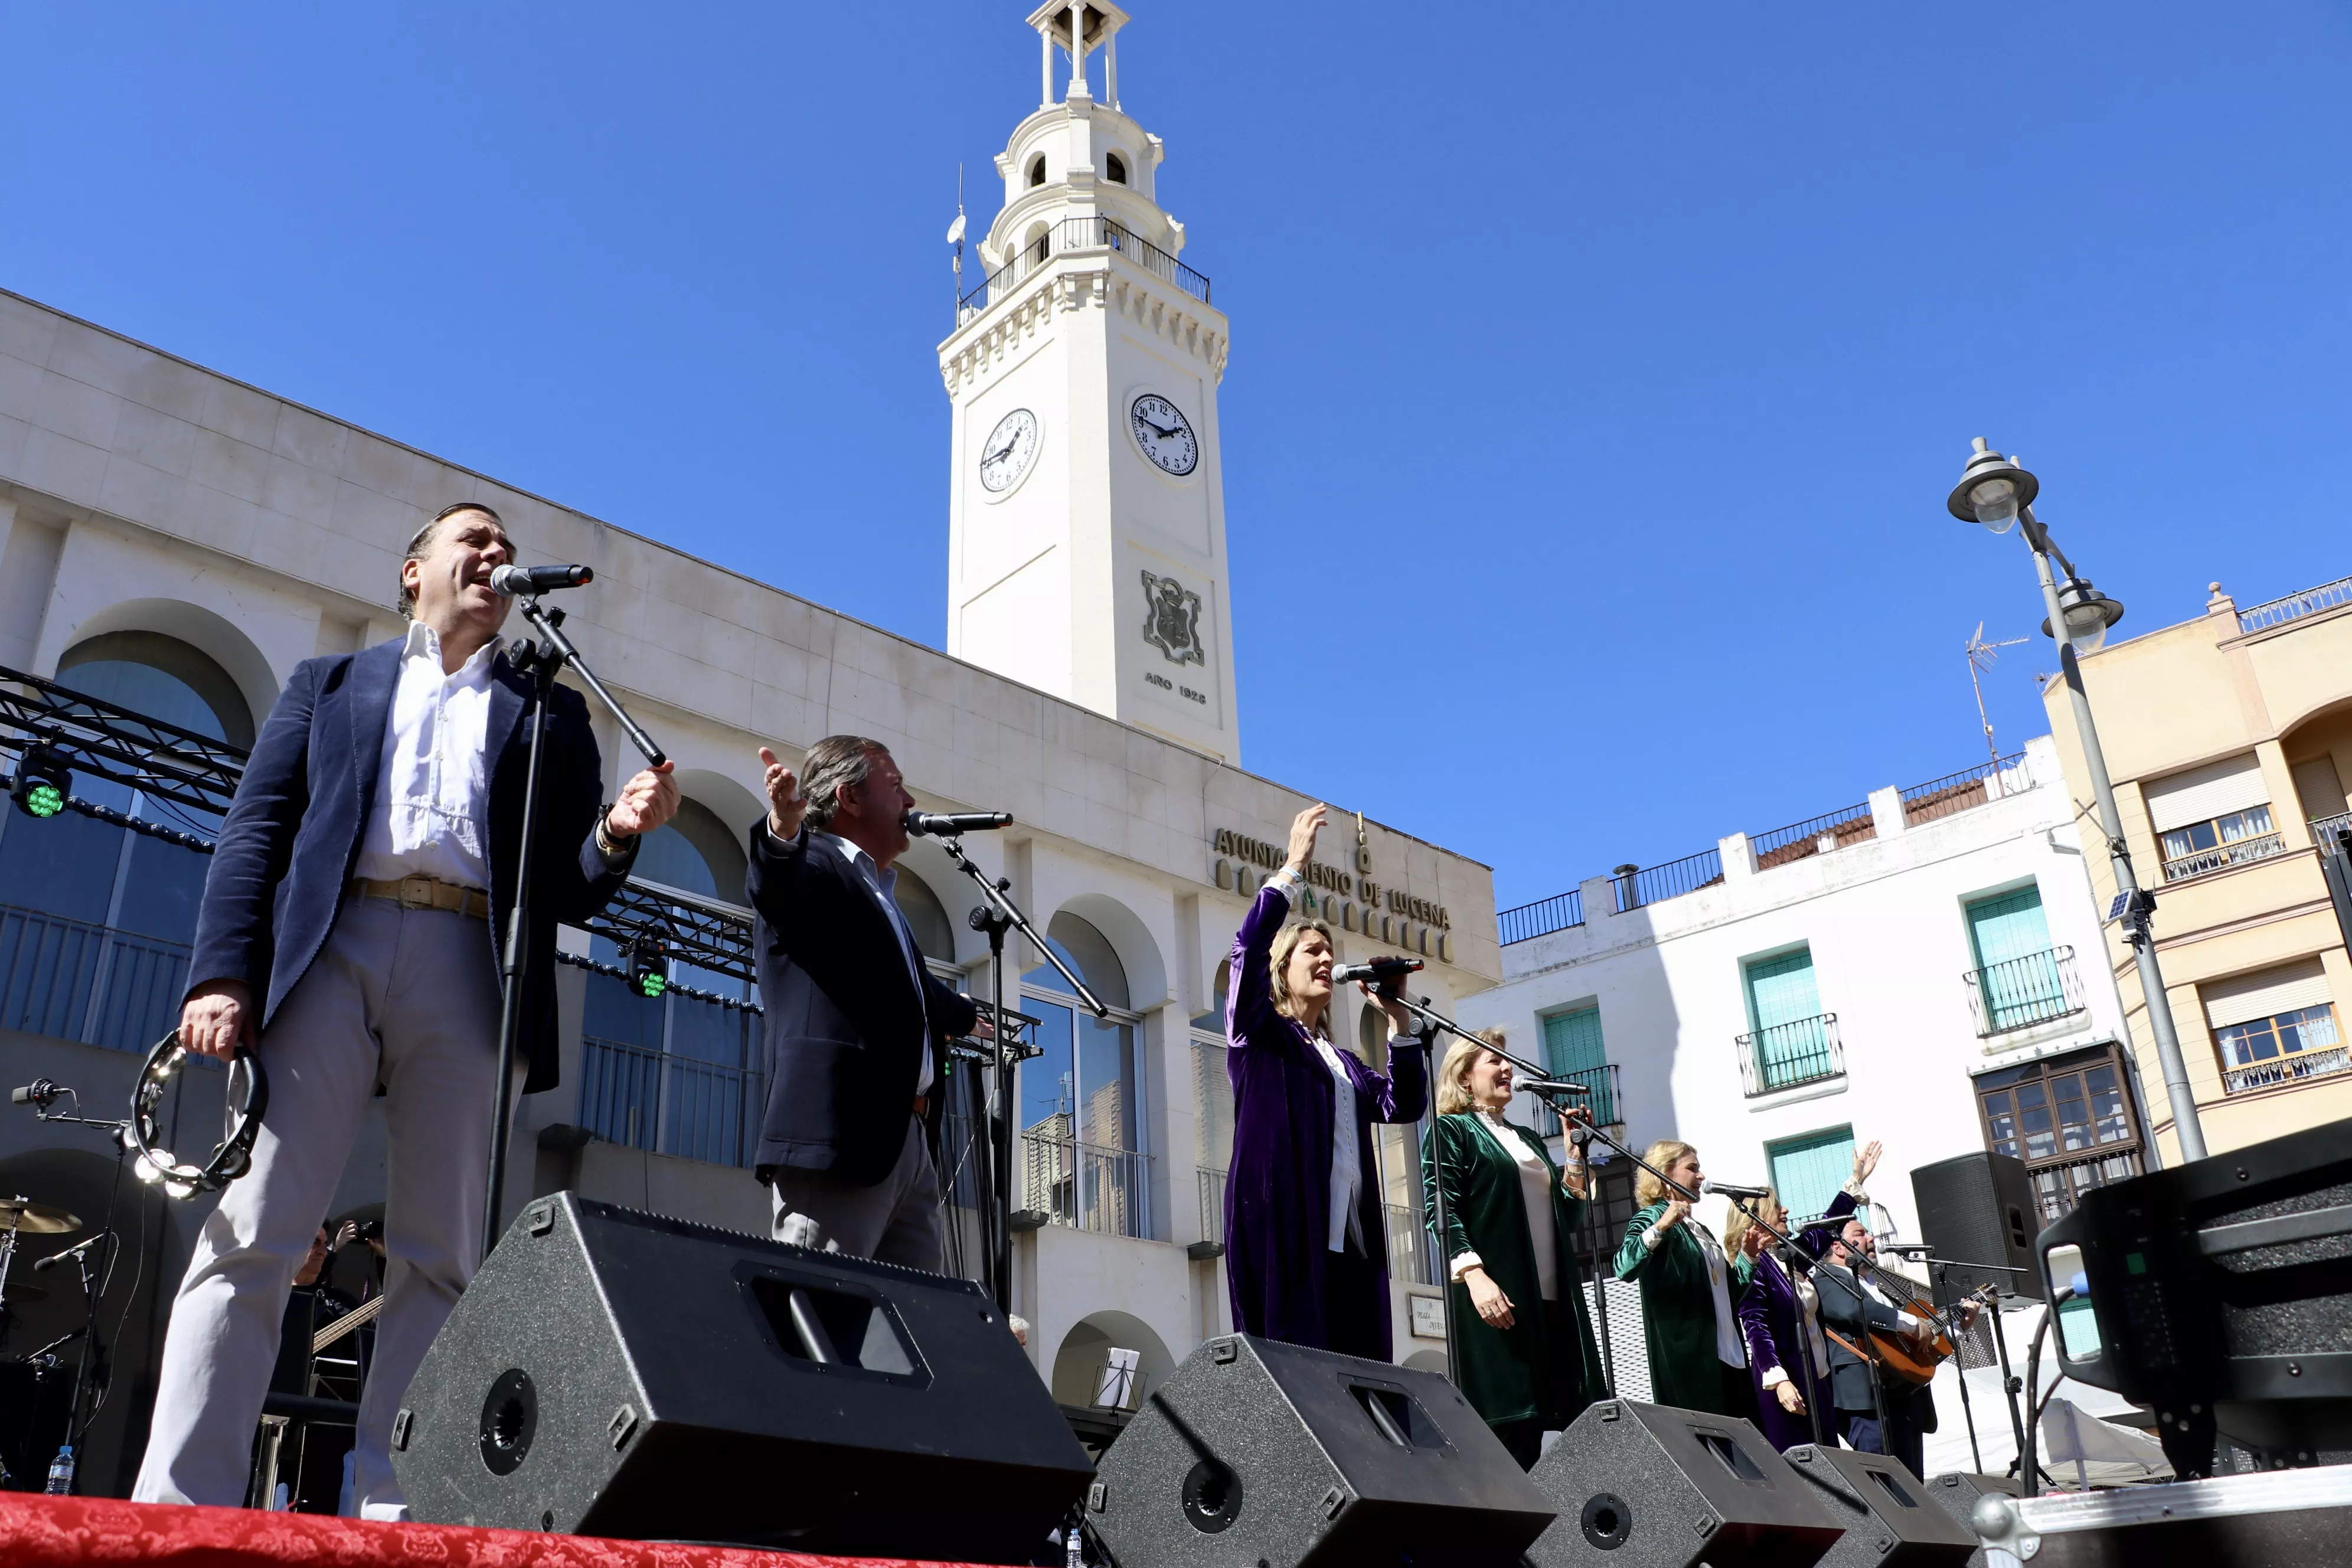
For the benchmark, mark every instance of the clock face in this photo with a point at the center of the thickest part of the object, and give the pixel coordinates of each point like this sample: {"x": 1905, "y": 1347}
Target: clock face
{"x": 1011, "y": 447}
{"x": 1164, "y": 435}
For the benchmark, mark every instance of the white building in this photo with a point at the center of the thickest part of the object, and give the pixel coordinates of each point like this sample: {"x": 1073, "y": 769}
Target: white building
{"x": 175, "y": 542}
{"x": 1905, "y": 969}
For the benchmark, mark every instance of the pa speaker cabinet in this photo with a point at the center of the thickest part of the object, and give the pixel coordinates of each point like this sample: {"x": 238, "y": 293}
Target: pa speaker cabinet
{"x": 1890, "y": 1519}
{"x": 1956, "y": 1492}
{"x": 1259, "y": 1454}
{"x": 1650, "y": 1486}
{"x": 617, "y": 1373}
{"x": 1980, "y": 1208}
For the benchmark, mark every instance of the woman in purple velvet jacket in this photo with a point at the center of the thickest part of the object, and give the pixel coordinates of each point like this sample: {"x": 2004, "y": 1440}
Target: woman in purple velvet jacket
{"x": 1780, "y": 1320}
{"x": 1305, "y": 1251}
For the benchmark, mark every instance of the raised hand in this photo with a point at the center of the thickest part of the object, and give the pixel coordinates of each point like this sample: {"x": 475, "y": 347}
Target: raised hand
{"x": 1303, "y": 829}
{"x": 648, "y": 800}
{"x": 1866, "y": 1160}
{"x": 786, "y": 804}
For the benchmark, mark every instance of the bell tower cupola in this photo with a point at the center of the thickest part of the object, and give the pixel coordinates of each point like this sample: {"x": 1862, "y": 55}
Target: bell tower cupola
{"x": 1087, "y": 524}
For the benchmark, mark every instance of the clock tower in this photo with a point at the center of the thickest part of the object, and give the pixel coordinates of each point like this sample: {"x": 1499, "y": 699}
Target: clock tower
{"x": 1086, "y": 519}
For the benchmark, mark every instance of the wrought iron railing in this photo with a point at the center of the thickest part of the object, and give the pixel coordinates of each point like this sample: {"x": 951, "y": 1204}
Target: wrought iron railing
{"x": 2259, "y": 846}
{"x": 1850, "y": 824}
{"x": 1602, "y": 1101}
{"x": 2295, "y": 606}
{"x": 1085, "y": 1185}
{"x": 1783, "y": 1056}
{"x": 79, "y": 981}
{"x": 1213, "y": 1204}
{"x": 1411, "y": 1246}
{"x": 1968, "y": 788}
{"x": 2325, "y": 831}
{"x": 1524, "y": 922}
{"x": 2060, "y": 1184}
{"x": 2289, "y": 1068}
{"x": 2035, "y": 988}
{"x": 675, "y": 1105}
{"x": 1094, "y": 232}
{"x": 1650, "y": 885}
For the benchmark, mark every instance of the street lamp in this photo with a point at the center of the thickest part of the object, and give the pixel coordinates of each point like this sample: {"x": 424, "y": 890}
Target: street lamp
{"x": 1995, "y": 493}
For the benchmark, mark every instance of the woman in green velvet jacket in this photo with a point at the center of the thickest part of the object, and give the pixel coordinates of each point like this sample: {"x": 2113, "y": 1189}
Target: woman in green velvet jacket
{"x": 1528, "y": 1362}
{"x": 1690, "y": 1291}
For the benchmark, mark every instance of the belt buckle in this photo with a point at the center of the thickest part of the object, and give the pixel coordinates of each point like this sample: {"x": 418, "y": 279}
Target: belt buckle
{"x": 416, "y": 892}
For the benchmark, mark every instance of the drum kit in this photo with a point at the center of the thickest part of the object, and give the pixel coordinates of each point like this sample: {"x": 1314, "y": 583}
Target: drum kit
{"x": 20, "y": 1216}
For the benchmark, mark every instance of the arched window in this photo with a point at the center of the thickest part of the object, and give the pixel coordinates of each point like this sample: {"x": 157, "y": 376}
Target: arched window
{"x": 1038, "y": 171}
{"x": 1038, "y": 247}
{"x": 96, "y": 919}
{"x": 1114, "y": 169}
{"x": 694, "y": 851}
{"x": 1079, "y": 1117}
{"x": 926, "y": 917}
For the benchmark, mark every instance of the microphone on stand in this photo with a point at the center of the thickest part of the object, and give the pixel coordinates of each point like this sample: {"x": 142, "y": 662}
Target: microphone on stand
{"x": 40, "y": 1094}
{"x": 1552, "y": 1086}
{"x": 1378, "y": 969}
{"x": 529, "y": 582}
{"x": 53, "y": 1259}
{"x": 1716, "y": 1189}
{"x": 947, "y": 823}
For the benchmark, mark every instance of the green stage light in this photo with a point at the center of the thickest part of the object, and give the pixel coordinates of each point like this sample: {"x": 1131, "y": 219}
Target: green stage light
{"x": 648, "y": 974}
{"x": 42, "y": 781}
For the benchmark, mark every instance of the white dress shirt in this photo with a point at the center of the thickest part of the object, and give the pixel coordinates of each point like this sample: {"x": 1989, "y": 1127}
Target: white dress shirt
{"x": 1346, "y": 1161}
{"x": 884, "y": 885}
{"x": 1534, "y": 1192}
{"x": 431, "y": 816}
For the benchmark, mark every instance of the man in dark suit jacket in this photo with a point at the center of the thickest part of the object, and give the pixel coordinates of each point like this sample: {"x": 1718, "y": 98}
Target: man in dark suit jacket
{"x": 349, "y": 934}
{"x": 1880, "y": 1415}
{"x": 855, "y": 1025}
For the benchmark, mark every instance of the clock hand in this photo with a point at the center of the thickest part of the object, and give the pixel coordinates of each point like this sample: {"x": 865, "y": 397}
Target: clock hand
{"x": 1164, "y": 435}
{"x": 1000, "y": 452}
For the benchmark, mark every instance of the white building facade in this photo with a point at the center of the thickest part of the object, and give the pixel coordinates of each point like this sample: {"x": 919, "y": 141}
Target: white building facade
{"x": 175, "y": 542}
{"x": 1903, "y": 970}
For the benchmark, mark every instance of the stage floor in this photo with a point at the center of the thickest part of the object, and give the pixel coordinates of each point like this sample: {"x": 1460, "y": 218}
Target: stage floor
{"x": 38, "y": 1531}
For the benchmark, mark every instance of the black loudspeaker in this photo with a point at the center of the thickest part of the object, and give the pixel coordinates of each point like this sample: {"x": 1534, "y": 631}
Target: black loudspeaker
{"x": 1650, "y": 1485}
{"x": 617, "y": 1373}
{"x": 1890, "y": 1519}
{"x": 1957, "y": 1491}
{"x": 1264, "y": 1455}
{"x": 1980, "y": 1208}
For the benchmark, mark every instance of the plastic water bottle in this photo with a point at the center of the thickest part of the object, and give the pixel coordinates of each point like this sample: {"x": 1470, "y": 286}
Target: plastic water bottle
{"x": 61, "y": 1472}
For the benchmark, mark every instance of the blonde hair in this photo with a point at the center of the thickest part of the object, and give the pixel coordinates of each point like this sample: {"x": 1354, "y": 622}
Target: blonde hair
{"x": 1286, "y": 942}
{"x": 1454, "y": 1076}
{"x": 1740, "y": 1225}
{"x": 1664, "y": 1154}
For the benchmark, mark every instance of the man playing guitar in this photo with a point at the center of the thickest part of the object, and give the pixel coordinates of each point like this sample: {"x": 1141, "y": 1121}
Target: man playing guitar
{"x": 1883, "y": 1349}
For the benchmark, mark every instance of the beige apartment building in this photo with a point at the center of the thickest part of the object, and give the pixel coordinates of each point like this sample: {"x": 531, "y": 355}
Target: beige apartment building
{"x": 2230, "y": 742}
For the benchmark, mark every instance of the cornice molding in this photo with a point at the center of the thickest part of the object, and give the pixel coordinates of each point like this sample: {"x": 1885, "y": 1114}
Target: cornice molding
{"x": 1169, "y": 315}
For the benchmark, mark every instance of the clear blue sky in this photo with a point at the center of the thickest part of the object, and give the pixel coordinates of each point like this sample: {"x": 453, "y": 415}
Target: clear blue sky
{"x": 1599, "y": 371}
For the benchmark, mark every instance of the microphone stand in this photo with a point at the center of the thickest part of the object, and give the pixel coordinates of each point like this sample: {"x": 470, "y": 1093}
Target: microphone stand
{"x": 108, "y": 1246}
{"x": 1002, "y": 915}
{"x": 543, "y": 662}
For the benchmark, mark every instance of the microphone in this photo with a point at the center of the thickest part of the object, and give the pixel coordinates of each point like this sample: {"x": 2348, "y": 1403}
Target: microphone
{"x": 54, "y": 1258}
{"x": 529, "y": 582}
{"x": 40, "y": 1092}
{"x": 1378, "y": 969}
{"x": 1552, "y": 1086}
{"x": 948, "y": 823}
{"x": 1716, "y": 1189}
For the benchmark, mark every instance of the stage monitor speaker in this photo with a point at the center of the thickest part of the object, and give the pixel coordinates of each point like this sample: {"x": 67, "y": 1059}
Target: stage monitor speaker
{"x": 1650, "y": 1486}
{"x": 1264, "y": 1455}
{"x": 1957, "y": 1491}
{"x": 1980, "y": 1208}
{"x": 1890, "y": 1519}
{"x": 617, "y": 1373}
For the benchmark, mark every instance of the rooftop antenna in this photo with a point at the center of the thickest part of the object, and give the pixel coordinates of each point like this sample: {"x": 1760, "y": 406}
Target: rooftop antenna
{"x": 955, "y": 237}
{"x": 1981, "y": 655}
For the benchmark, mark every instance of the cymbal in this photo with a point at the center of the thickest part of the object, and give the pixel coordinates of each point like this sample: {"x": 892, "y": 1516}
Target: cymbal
{"x": 21, "y": 1213}
{"x": 20, "y": 1291}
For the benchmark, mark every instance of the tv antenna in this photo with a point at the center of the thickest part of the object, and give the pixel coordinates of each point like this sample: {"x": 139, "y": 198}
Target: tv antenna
{"x": 1981, "y": 655}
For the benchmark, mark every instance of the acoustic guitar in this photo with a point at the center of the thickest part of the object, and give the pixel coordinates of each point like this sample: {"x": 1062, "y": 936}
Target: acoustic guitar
{"x": 1912, "y": 1359}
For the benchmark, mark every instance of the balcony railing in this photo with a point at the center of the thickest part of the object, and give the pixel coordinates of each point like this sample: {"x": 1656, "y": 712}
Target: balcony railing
{"x": 1602, "y": 1100}
{"x": 1087, "y": 1186}
{"x": 667, "y": 1104}
{"x": 1409, "y": 1246}
{"x": 2324, "y": 830}
{"x": 2290, "y": 1068}
{"x": 91, "y": 983}
{"x": 2061, "y": 1183}
{"x": 1212, "y": 1206}
{"x": 1545, "y": 915}
{"x": 1651, "y": 884}
{"x": 1081, "y": 234}
{"x": 1968, "y": 788}
{"x": 1804, "y": 1051}
{"x": 2295, "y": 606}
{"x": 2259, "y": 846}
{"x": 2019, "y": 992}
{"x": 1800, "y": 839}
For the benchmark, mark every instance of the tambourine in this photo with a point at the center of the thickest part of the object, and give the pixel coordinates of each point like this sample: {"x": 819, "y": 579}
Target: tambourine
{"x": 248, "y": 1096}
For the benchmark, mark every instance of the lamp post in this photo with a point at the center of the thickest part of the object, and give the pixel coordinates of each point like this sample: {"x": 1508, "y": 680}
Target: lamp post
{"x": 1994, "y": 492}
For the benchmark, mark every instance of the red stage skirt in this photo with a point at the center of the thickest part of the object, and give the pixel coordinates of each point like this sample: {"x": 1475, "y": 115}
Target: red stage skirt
{"x": 40, "y": 1532}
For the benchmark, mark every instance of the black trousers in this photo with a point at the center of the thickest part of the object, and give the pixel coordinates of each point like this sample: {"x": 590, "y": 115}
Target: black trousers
{"x": 1355, "y": 1292}
{"x": 1739, "y": 1396}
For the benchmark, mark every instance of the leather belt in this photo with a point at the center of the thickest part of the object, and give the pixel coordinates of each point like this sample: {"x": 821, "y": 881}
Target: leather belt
{"x": 922, "y": 1107}
{"x": 424, "y": 892}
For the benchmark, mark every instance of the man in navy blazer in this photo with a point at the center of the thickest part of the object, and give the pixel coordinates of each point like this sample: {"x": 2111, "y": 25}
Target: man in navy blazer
{"x": 348, "y": 935}
{"x": 857, "y": 1025}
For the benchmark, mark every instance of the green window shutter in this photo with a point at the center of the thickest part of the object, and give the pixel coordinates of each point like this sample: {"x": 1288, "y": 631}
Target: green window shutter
{"x": 1807, "y": 1172}
{"x": 2010, "y": 926}
{"x": 1780, "y": 990}
{"x": 1573, "y": 1050}
{"x": 2017, "y": 971}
